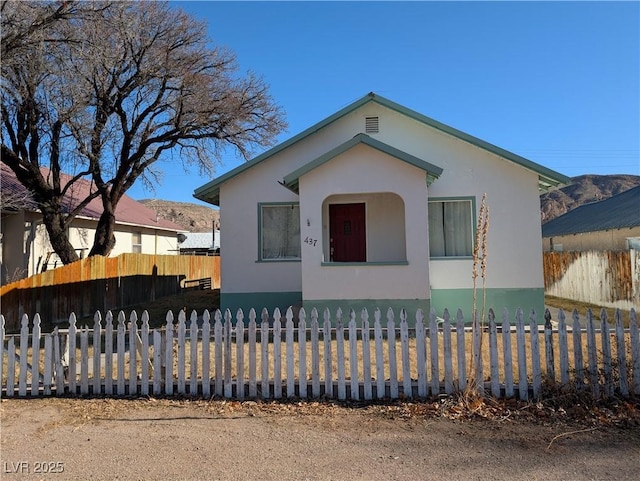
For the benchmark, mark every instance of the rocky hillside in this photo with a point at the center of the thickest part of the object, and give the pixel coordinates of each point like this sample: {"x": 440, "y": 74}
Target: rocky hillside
{"x": 193, "y": 217}
{"x": 584, "y": 190}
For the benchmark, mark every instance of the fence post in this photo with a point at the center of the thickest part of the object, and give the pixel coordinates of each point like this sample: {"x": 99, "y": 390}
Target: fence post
{"x": 108, "y": 353}
{"x": 326, "y": 339}
{"x": 264, "y": 357}
{"x": 378, "y": 340}
{"x": 240, "y": 354}
{"x": 206, "y": 353}
{"x": 277, "y": 354}
{"x": 97, "y": 353}
{"x": 342, "y": 390}
{"x": 393, "y": 363}
{"x": 433, "y": 350}
{"x": 193, "y": 354}
{"x": 290, "y": 367}
{"x": 302, "y": 347}
{"x": 407, "y": 390}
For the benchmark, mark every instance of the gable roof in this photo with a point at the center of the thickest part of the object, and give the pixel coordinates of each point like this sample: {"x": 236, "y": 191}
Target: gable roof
{"x": 617, "y": 212}
{"x": 128, "y": 211}
{"x": 433, "y": 172}
{"x": 547, "y": 178}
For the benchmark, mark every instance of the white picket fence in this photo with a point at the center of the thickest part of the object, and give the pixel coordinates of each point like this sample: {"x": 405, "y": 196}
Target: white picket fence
{"x": 332, "y": 357}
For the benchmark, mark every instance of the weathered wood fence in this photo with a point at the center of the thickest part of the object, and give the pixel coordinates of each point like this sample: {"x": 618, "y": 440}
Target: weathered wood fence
{"x": 331, "y": 357}
{"x": 606, "y": 278}
{"x": 103, "y": 283}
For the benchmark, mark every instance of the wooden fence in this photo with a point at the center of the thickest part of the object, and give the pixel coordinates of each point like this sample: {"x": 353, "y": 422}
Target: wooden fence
{"x": 605, "y": 278}
{"x": 102, "y": 283}
{"x": 332, "y": 357}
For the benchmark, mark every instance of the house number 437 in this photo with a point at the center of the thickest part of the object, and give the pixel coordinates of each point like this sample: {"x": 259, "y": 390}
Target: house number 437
{"x": 310, "y": 241}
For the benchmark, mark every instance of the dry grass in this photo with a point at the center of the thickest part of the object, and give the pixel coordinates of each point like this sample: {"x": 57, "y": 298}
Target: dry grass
{"x": 568, "y": 305}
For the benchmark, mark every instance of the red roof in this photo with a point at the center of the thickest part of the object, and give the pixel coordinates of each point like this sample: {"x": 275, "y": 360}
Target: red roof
{"x": 128, "y": 211}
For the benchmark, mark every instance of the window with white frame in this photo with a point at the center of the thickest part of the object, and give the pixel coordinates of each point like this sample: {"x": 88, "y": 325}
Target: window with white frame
{"x": 136, "y": 242}
{"x": 451, "y": 227}
{"x": 279, "y": 231}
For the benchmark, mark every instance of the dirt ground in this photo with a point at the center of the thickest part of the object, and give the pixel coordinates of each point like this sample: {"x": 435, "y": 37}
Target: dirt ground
{"x": 150, "y": 439}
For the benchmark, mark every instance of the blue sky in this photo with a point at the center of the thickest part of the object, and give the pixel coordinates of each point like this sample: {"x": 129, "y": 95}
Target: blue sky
{"x": 555, "y": 82}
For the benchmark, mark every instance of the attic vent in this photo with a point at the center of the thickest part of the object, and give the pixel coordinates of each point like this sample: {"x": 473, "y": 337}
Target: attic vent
{"x": 372, "y": 125}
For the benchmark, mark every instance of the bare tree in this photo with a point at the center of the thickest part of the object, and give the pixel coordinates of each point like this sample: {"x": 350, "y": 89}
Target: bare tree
{"x": 105, "y": 90}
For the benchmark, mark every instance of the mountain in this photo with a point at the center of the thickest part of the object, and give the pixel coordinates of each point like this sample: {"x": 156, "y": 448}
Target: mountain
{"x": 192, "y": 217}
{"x": 584, "y": 189}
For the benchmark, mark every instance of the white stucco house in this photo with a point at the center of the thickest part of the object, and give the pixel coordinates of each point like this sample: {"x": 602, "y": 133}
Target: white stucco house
{"x": 25, "y": 249}
{"x": 376, "y": 206}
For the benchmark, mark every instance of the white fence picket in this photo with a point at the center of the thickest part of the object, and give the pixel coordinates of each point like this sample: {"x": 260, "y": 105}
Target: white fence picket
{"x": 11, "y": 367}
{"x": 120, "y": 347}
{"x": 393, "y": 362}
{"x": 326, "y": 339}
{"x": 448, "y": 353}
{"x": 523, "y": 384}
{"x": 302, "y": 353}
{"x": 462, "y": 351}
{"x": 143, "y": 344}
{"x": 253, "y": 384}
{"x": 264, "y": 355}
{"x": 548, "y": 347}
{"x": 290, "y": 360}
{"x": 24, "y": 350}
{"x": 240, "y": 356}
{"x": 353, "y": 356}
{"x": 227, "y": 361}
{"x": 315, "y": 354}
{"x": 494, "y": 364}
{"x": 621, "y": 360}
{"x": 108, "y": 353}
{"x": 48, "y": 364}
{"x": 342, "y": 389}
{"x": 564, "y": 351}
{"x": 84, "y": 361}
{"x": 366, "y": 355}
{"x": 535, "y": 354}
{"x": 433, "y": 349}
{"x": 133, "y": 355}
{"x": 421, "y": 354}
{"x": 193, "y": 354}
{"x": 96, "y": 375}
{"x": 407, "y": 390}
{"x": 157, "y": 362}
{"x": 277, "y": 354}
{"x": 218, "y": 348}
{"x": 58, "y": 367}
{"x": 506, "y": 354}
{"x": 592, "y": 356}
{"x": 577, "y": 350}
{"x": 168, "y": 349}
{"x": 35, "y": 356}
{"x": 607, "y": 368}
{"x": 378, "y": 339}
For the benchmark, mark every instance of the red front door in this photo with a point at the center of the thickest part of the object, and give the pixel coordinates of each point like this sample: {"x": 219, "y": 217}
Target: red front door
{"x": 347, "y": 233}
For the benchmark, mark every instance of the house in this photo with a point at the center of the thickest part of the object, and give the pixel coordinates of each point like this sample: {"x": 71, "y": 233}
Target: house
{"x": 200, "y": 243}
{"x": 376, "y": 206}
{"x": 25, "y": 249}
{"x": 611, "y": 224}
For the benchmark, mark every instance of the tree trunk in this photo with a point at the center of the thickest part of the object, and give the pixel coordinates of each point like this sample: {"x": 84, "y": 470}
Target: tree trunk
{"x": 105, "y": 239}
{"x": 58, "y": 237}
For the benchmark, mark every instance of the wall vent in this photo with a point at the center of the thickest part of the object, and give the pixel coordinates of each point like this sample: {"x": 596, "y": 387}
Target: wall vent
{"x": 372, "y": 125}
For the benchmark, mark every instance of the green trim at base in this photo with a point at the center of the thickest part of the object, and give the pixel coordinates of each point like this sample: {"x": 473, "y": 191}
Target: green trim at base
{"x": 497, "y": 299}
{"x": 258, "y": 301}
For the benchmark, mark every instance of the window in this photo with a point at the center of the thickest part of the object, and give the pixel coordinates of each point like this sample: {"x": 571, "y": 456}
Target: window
{"x": 451, "y": 228}
{"x": 280, "y": 232}
{"x": 136, "y": 242}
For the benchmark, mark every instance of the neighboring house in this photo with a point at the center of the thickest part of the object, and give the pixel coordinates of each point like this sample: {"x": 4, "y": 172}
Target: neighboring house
{"x": 376, "y": 206}
{"x": 200, "y": 243}
{"x": 25, "y": 248}
{"x": 609, "y": 224}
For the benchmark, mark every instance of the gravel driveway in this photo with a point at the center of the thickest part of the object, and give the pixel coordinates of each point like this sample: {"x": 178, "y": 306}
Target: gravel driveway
{"x": 106, "y": 439}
